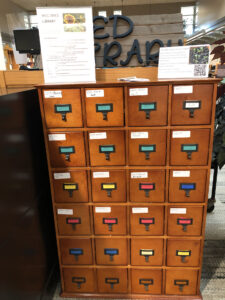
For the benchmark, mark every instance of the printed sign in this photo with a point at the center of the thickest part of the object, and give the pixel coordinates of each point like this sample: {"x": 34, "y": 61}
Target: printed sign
{"x": 62, "y": 175}
{"x": 53, "y": 94}
{"x": 94, "y": 93}
{"x": 100, "y": 174}
{"x": 57, "y": 137}
{"x": 138, "y": 92}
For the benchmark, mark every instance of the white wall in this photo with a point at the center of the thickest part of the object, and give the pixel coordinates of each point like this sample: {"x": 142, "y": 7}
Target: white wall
{"x": 210, "y": 11}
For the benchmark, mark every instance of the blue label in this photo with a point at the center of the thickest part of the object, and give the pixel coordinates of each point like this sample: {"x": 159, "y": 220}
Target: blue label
{"x": 66, "y": 149}
{"x": 104, "y": 107}
{"x": 107, "y": 149}
{"x": 76, "y": 251}
{"x": 149, "y": 148}
{"x": 189, "y": 147}
{"x": 111, "y": 251}
{"x": 186, "y": 186}
{"x": 63, "y": 108}
{"x": 148, "y": 106}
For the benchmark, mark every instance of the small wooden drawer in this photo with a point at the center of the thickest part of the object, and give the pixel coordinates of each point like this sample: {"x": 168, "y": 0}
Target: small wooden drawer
{"x": 187, "y": 185}
{"x": 79, "y": 280}
{"x": 183, "y": 253}
{"x": 76, "y": 251}
{"x": 189, "y": 150}
{"x": 110, "y": 220}
{"x": 70, "y": 186}
{"x": 146, "y": 281}
{"x": 62, "y": 108}
{"x": 185, "y": 221}
{"x": 111, "y": 251}
{"x": 66, "y": 149}
{"x": 146, "y": 251}
{"x": 104, "y": 107}
{"x": 107, "y": 148}
{"x": 192, "y": 104}
{"x": 147, "y": 147}
{"x": 181, "y": 282}
{"x": 111, "y": 280}
{"x": 108, "y": 186}
{"x": 147, "y": 220}
{"x": 147, "y": 185}
{"x": 73, "y": 219}
{"x": 147, "y": 105}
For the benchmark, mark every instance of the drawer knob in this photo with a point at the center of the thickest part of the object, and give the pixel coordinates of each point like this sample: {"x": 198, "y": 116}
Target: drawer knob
{"x": 110, "y": 222}
{"x": 104, "y": 109}
{"x": 108, "y": 187}
{"x": 181, "y": 284}
{"x": 147, "y": 107}
{"x": 70, "y": 187}
{"x": 183, "y": 254}
{"x": 111, "y": 252}
{"x": 189, "y": 148}
{"x": 76, "y": 252}
{"x": 67, "y": 151}
{"x": 112, "y": 281}
{"x": 146, "y": 253}
{"x": 73, "y": 222}
{"x": 184, "y": 223}
{"x": 191, "y": 106}
{"x": 146, "y": 187}
{"x": 78, "y": 281}
{"x": 107, "y": 150}
{"x": 147, "y": 149}
{"x": 146, "y": 282}
{"x": 147, "y": 222}
{"x": 187, "y": 187}
{"x": 63, "y": 109}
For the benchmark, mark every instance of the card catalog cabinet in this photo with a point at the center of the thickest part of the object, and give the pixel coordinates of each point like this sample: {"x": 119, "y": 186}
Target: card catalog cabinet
{"x": 129, "y": 165}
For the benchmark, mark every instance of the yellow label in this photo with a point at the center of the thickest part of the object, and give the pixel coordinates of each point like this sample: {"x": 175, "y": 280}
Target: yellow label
{"x": 181, "y": 282}
{"x": 70, "y": 187}
{"x": 147, "y": 252}
{"x": 108, "y": 186}
{"x": 183, "y": 253}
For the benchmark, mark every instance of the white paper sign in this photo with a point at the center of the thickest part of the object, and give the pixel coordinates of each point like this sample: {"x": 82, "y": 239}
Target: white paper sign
{"x": 139, "y": 175}
{"x": 181, "y": 211}
{"x": 67, "y": 44}
{"x": 139, "y": 210}
{"x": 139, "y": 135}
{"x": 181, "y": 173}
{"x": 57, "y": 137}
{"x": 138, "y": 92}
{"x": 183, "y": 89}
{"x": 65, "y": 212}
{"x": 181, "y": 134}
{"x": 94, "y": 93}
{"x": 62, "y": 175}
{"x": 192, "y": 104}
{"x": 53, "y": 94}
{"x": 100, "y": 174}
{"x": 103, "y": 209}
{"x": 98, "y": 136}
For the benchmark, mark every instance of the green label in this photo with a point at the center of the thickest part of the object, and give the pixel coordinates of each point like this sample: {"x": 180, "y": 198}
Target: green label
{"x": 148, "y": 148}
{"x": 66, "y": 149}
{"x": 189, "y": 147}
{"x": 107, "y": 149}
{"x": 148, "y": 106}
{"x": 63, "y": 108}
{"x": 104, "y": 107}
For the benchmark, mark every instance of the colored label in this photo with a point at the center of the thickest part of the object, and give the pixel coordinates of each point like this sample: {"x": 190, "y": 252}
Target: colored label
{"x": 104, "y": 107}
{"x": 76, "y": 251}
{"x": 108, "y": 186}
{"x": 183, "y": 253}
{"x": 185, "y": 221}
{"x": 63, "y": 108}
{"x": 147, "y": 221}
{"x": 147, "y": 106}
{"x": 187, "y": 186}
{"x": 70, "y": 186}
{"x": 107, "y": 148}
{"x": 73, "y": 221}
{"x": 110, "y": 221}
{"x": 146, "y": 252}
{"x": 147, "y": 186}
{"x": 111, "y": 251}
{"x": 147, "y": 148}
{"x": 66, "y": 149}
{"x": 189, "y": 147}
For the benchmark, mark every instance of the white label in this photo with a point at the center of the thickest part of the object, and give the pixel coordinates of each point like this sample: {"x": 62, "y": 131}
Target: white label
{"x": 139, "y": 210}
{"x": 53, "y": 94}
{"x": 98, "y": 136}
{"x": 181, "y": 134}
{"x": 139, "y": 175}
{"x": 65, "y": 211}
{"x": 139, "y": 135}
{"x": 103, "y": 209}
{"x": 183, "y": 89}
{"x": 181, "y": 173}
{"x": 57, "y": 137}
{"x": 100, "y": 174}
{"x": 94, "y": 93}
{"x": 61, "y": 175}
{"x": 181, "y": 211}
{"x": 192, "y": 104}
{"x": 138, "y": 92}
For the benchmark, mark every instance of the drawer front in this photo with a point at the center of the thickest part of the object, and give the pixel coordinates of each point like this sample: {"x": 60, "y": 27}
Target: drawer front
{"x": 147, "y": 220}
{"x": 111, "y": 251}
{"x": 147, "y": 185}
{"x": 66, "y": 149}
{"x": 70, "y": 186}
{"x": 108, "y": 186}
{"x": 111, "y": 280}
{"x": 146, "y": 281}
{"x": 104, "y": 107}
{"x": 149, "y": 109}
{"x": 76, "y": 251}
{"x": 179, "y": 282}
{"x": 110, "y": 220}
{"x": 192, "y": 150}
{"x": 63, "y": 108}
{"x": 79, "y": 280}
{"x": 150, "y": 151}
{"x": 73, "y": 220}
{"x": 108, "y": 150}
{"x": 146, "y": 252}
{"x": 185, "y": 221}
{"x": 183, "y": 253}
{"x": 194, "y": 107}
{"x": 187, "y": 186}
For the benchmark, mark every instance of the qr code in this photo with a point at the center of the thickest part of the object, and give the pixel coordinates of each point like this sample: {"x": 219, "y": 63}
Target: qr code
{"x": 199, "y": 70}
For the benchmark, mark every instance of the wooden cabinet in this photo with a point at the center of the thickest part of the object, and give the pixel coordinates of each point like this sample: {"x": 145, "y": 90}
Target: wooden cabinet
{"x": 129, "y": 167}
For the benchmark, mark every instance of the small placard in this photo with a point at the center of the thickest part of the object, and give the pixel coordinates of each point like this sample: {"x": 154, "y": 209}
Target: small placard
{"x": 94, "y": 93}
{"x": 183, "y": 89}
{"x": 181, "y": 134}
{"x": 181, "y": 173}
{"x": 138, "y": 92}
{"x": 100, "y": 174}
{"x": 139, "y": 135}
{"x": 139, "y": 175}
{"x": 98, "y": 136}
{"x": 53, "y": 94}
{"x": 103, "y": 209}
{"x": 65, "y": 212}
{"x": 181, "y": 211}
{"x": 62, "y": 175}
{"x": 57, "y": 137}
{"x": 192, "y": 104}
{"x": 139, "y": 210}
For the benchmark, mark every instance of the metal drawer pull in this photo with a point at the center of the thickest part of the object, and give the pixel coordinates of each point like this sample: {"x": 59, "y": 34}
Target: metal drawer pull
{"x": 183, "y": 254}
{"x": 112, "y": 281}
{"x": 187, "y": 187}
{"x": 147, "y": 222}
{"x": 67, "y": 151}
{"x": 107, "y": 149}
{"x": 110, "y": 222}
{"x": 63, "y": 109}
{"x": 189, "y": 148}
{"x": 146, "y": 187}
{"x": 146, "y": 282}
{"x": 104, "y": 109}
{"x": 108, "y": 187}
{"x": 184, "y": 223}
{"x": 73, "y": 222}
{"x": 146, "y": 253}
{"x": 70, "y": 187}
{"x": 111, "y": 252}
{"x": 147, "y": 149}
{"x": 181, "y": 284}
{"x": 78, "y": 281}
{"x": 147, "y": 107}
{"x": 191, "y": 106}
{"x": 76, "y": 252}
